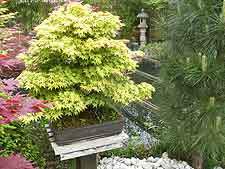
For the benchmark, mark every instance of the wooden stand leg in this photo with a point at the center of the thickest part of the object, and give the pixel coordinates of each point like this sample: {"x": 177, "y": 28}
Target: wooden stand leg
{"x": 87, "y": 162}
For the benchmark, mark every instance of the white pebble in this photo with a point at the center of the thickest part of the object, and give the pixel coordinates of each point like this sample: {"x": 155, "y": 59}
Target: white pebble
{"x": 149, "y": 163}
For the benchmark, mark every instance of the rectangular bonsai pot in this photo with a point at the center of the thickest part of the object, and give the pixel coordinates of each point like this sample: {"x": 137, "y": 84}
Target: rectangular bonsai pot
{"x": 70, "y": 135}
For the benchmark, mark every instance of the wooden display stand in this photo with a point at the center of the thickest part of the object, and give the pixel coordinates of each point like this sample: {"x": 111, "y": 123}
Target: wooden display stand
{"x": 87, "y": 162}
{"x": 84, "y": 151}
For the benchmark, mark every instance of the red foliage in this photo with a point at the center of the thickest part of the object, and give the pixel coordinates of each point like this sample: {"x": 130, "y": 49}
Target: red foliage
{"x": 15, "y": 42}
{"x": 15, "y": 162}
{"x": 12, "y": 103}
{"x": 12, "y": 106}
{"x": 3, "y": 56}
{"x": 10, "y": 68}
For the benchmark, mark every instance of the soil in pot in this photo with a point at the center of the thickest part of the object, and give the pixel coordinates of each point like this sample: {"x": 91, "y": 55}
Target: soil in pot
{"x": 89, "y": 117}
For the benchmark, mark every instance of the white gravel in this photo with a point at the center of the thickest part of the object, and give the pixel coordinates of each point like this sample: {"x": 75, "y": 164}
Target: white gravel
{"x": 151, "y": 163}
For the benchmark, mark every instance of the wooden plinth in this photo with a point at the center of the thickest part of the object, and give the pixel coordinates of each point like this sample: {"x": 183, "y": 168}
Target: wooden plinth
{"x": 87, "y": 147}
{"x": 87, "y": 162}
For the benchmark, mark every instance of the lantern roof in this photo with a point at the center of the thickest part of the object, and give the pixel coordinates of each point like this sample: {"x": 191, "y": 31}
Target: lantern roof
{"x": 143, "y": 14}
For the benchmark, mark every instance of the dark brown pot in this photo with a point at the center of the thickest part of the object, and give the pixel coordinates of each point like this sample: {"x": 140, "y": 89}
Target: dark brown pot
{"x": 69, "y": 135}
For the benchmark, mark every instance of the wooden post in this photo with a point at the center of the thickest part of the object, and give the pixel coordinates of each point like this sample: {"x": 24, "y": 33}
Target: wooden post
{"x": 87, "y": 162}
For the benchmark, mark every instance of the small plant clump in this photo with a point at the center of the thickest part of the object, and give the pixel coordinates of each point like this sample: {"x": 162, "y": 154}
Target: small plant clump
{"x": 78, "y": 65}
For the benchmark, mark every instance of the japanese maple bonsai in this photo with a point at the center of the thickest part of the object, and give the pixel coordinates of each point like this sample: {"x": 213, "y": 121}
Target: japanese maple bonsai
{"x": 77, "y": 64}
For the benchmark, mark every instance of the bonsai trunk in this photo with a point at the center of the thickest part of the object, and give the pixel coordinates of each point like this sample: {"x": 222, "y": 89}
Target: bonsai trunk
{"x": 197, "y": 161}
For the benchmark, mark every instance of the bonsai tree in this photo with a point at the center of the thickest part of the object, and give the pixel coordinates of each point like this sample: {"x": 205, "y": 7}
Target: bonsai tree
{"x": 77, "y": 64}
{"x": 192, "y": 93}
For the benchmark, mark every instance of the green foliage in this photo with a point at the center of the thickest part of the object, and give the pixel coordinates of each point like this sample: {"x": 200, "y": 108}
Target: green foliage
{"x": 157, "y": 4}
{"x": 192, "y": 91}
{"x": 5, "y": 16}
{"x": 30, "y": 13}
{"x": 155, "y": 50}
{"x": 76, "y": 64}
{"x": 17, "y": 138}
{"x": 128, "y": 10}
{"x": 197, "y": 26}
{"x": 132, "y": 150}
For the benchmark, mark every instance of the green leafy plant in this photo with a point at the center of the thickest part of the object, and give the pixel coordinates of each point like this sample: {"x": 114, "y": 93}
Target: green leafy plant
{"x": 17, "y": 138}
{"x": 192, "y": 89}
{"x": 77, "y": 65}
{"x": 155, "y": 50}
{"x": 132, "y": 150}
{"x": 5, "y": 16}
{"x": 30, "y": 13}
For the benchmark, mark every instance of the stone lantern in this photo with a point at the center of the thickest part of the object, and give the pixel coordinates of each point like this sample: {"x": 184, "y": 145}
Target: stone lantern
{"x": 143, "y": 27}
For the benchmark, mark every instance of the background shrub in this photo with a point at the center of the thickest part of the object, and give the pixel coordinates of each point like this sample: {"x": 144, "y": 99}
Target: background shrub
{"x": 128, "y": 10}
{"x": 191, "y": 95}
{"x": 30, "y": 13}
